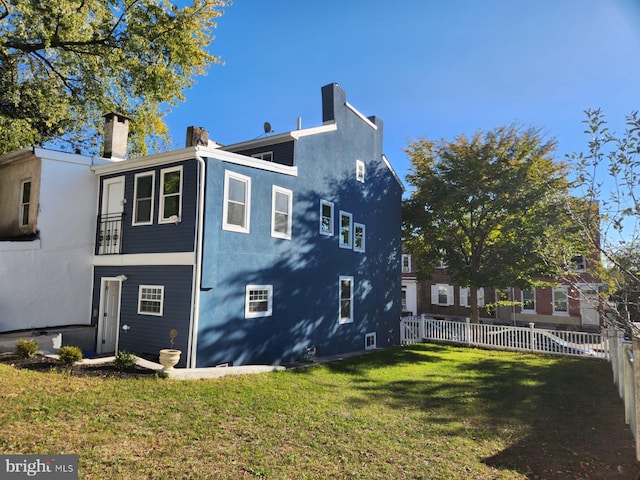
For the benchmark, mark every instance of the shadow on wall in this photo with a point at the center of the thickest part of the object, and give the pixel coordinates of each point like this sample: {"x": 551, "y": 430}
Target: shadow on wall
{"x": 305, "y": 274}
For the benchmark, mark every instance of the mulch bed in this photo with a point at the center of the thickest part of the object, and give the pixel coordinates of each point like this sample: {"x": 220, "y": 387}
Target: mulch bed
{"x": 44, "y": 364}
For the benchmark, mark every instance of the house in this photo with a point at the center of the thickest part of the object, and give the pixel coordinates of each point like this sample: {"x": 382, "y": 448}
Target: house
{"x": 572, "y": 303}
{"x": 264, "y": 251}
{"x": 47, "y": 230}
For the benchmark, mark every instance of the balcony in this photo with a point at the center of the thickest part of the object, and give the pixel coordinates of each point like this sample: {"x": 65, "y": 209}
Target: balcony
{"x": 109, "y": 237}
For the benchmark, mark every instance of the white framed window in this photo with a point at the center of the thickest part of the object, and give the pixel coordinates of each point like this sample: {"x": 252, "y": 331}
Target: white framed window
{"x": 170, "y": 195}
{"x": 406, "y": 263}
{"x": 266, "y": 156}
{"x": 237, "y": 202}
{"x": 441, "y": 264}
{"x": 370, "y": 341}
{"x": 281, "y": 206}
{"x": 528, "y": 298}
{"x": 442, "y": 294}
{"x": 465, "y": 297}
{"x": 360, "y": 171}
{"x": 359, "y": 239}
{"x": 561, "y": 301}
{"x": 578, "y": 263}
{"x": 258, "y": 301}
{"x": 404, "y": 298}
{"x": 326, "y": 217}
{"x": 346, "y": 240}
{"x": 346, "y": 299}
{"x": 151, "y": 300}
{"x": 25, "y": 203}
{"x": 143, "y": 187}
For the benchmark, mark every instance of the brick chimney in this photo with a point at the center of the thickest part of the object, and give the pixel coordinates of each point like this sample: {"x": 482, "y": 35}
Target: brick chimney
{"x": 116, "y": 131}
{"x": 197, "y": 136}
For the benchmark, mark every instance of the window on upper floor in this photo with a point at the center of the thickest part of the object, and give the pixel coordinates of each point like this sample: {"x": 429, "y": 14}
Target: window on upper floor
{"x": 360, "y": 170}
{"x": 170, "y": 195}
{"x": 346, "y": 226}
{"x": 258, "y": 301}
{"x": 359, "y": 237}
{"x": 25, "y": 203}
{"x": 406, "y": 263}
{"x": 143, "y": 198}
{"x": 266, "y": 156}
{"x": 237, "y": 201}
{"x": 442, "y": 294}
{"x": 281, "y": 205}
{"x": 326, "y": 217}
{"x": 561, "y": 301}
{"x": 346, "y": 300}
{"x": 528, "y": 301}
{"x": 578, "y": 263}
{"x": 150, "y": 299}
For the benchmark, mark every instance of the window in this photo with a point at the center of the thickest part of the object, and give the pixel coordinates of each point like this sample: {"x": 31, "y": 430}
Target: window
{"x": 171, "y": 195}
{"x": 237, "y": 200}
{"x": 406, "y": 263}
{"x": 326, "y": 217}
{"x": 143, "y": 199}
{"x": 404, "y": 298}
{"x": 528, "y": 301}
{"x": 578, "y": 263}
{"x": 25, "y": 202}
{"x": 345, "y": 230}
{"x": 150, "y": 300}
{"x": 360, "y": 171}
{"x": 281, "y": 203}
{"x": 441, "y": 264}
{"x": 370, "y": 341}
{"x": 266, "y": 156}
{"x": 561, "y": 301}
{"x": 442, "y": 294}
{"x": 258, "y": 301}
{"x": 358, "y": 237}
{"x": 465, "y": 297}
{"x": 346, "y": 300}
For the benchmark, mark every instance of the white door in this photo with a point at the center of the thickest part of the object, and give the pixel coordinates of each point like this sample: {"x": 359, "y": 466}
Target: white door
{"x": 409, "y": 297}
{"x": 109, "y": 316}
{"x": 111, "y": 216}
{"x": 589, "y": 306}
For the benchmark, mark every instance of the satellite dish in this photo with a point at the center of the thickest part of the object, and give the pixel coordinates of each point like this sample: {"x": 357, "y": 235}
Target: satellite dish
{"x": 267, "y": 128}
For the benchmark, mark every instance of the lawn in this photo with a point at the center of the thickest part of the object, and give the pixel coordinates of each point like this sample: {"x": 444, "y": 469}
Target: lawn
{"x": 420, "y": 412}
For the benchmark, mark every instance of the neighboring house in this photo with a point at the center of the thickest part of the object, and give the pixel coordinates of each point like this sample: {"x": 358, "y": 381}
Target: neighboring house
{"x": 258, "y": 252}
{"x": 573, "y": 303}
{"x": 47, "y": 230}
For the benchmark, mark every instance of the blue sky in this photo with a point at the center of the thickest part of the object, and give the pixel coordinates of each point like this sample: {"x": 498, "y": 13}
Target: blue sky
{"x": 427, "y": 68}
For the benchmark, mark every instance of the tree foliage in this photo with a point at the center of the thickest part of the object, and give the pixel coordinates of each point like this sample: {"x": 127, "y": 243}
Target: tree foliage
{"x": 66, "y": 63}
{"x": 489, "y": 206}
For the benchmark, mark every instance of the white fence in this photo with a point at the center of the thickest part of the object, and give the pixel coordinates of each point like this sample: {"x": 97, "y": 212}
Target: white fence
{"x": 526, "y": 339}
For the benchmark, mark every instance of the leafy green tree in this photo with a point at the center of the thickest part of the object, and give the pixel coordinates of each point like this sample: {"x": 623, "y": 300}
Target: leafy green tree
{"x": 489, "y": 206}
{"x": 65, "y": 63}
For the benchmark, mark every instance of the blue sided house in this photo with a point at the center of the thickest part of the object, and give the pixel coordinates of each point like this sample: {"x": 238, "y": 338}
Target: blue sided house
{"x": 258, "y": 252}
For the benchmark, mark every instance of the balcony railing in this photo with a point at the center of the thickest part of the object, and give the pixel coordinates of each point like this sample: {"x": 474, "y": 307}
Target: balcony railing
{"x": 109, "y": 238}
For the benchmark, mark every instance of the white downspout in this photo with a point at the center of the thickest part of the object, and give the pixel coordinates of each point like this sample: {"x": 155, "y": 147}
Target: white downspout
{"x": 197, "y": 271}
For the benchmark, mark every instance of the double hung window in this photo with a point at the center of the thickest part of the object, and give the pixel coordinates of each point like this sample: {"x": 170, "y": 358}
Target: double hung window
{"x": 237, "y": 201}
{"x": 170, "y": 195}
{"x": 25, "y": 202}
{"x": 143, "y": 198}
{"x": 281, "y": 203}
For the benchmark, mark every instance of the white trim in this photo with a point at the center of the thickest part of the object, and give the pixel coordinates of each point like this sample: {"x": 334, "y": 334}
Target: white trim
{"x": 393, "y": 172}
{"x": 406, "y": 256}
{"x": 360, "y": 171}
{"x": 275, "y": 190}
{"x": 105, "y": 183}
{"x": 159, "y": 288}
{"x": 363, "y": 247}
{"x": 560, "y": 313}
{"x": 343, "y": 244}
{"x": 21, "y": 222}
{"x": 331, "y": 226}
{"x": 361, "y": 116}
{"x": 528, "y": 311}
{"x": 366, "y": 343}
{"x": 161, "y": 196}
{"x": 176, "y": 258}
{"x": 261, "y": 155}
{"x": 229, "y": 175}
{"x": 100, "y": 326}
{"x": 341, "y": 319}
{"x": 247, "y": 303}
{"x": 152, "y": 174}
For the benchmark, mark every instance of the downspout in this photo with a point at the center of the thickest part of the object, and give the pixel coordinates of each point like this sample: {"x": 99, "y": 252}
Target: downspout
{"x": 197, "y": 271}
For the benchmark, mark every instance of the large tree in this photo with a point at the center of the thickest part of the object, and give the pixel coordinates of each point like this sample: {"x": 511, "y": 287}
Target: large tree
{"x": 65, "y": 63}
{"x": 489, "y": 206}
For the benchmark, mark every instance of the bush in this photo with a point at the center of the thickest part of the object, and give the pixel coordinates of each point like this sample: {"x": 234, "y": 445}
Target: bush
{"x": 68, "y": 355}
{"x": 26, "y": 348}
{"x": 124, "y": 361}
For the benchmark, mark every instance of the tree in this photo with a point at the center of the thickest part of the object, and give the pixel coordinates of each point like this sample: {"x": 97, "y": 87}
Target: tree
{"x": 489, "y": 206}
{"x": 66, "y": 63}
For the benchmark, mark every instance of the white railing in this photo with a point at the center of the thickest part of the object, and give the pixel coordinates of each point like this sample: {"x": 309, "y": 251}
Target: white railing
{"x": 528, "y": 339}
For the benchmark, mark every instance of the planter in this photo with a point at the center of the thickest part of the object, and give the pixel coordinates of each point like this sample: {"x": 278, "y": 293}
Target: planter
{"x": 169, "y": 357}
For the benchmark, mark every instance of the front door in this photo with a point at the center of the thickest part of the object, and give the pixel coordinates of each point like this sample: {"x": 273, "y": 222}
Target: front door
{"x": 589, "y": 300}
{"x": 109, "y": 315}
{"x": 110, "y": 234}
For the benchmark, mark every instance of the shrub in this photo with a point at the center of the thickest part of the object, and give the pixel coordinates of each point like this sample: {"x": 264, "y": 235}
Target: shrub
{"x": 68, "y": 355}
{"x": 124, "y": 361}
{"x": 26, "y": 348}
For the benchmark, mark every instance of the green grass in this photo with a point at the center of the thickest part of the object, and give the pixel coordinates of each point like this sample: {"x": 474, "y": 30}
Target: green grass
{"x": 421, "y": 412}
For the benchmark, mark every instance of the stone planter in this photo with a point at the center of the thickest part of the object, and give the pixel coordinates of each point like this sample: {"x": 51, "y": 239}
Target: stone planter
{"x": 169, "y": 357}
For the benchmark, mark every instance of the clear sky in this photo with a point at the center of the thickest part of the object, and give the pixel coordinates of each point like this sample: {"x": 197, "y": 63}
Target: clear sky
{"x": 427, "y": 68}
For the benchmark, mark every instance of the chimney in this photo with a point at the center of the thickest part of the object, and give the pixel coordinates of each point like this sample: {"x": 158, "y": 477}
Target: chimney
{"x": 197, "y": 136}
{"x": 116, "y": 130}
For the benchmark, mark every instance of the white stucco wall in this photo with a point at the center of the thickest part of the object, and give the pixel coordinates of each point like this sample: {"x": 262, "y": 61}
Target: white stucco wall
{"x": 48, "y": 282}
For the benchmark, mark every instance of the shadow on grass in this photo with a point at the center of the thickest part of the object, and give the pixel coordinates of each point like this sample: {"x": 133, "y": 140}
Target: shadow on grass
{"x": 560, "y": 417}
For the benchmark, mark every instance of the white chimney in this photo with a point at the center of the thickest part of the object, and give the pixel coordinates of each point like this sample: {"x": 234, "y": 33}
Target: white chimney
{"x": 116, "y": 131}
